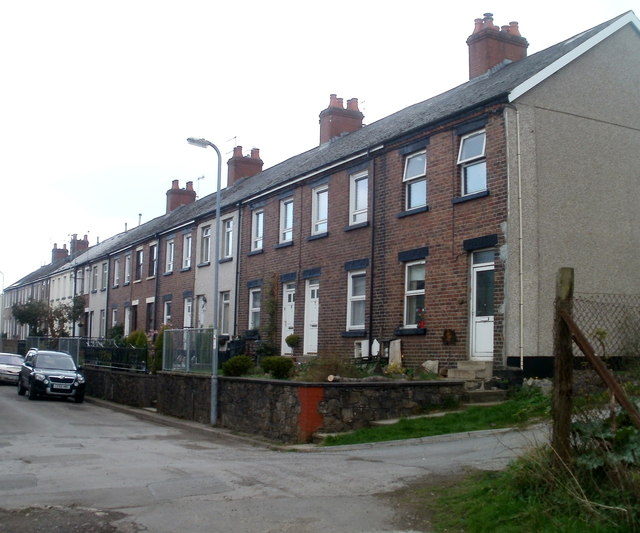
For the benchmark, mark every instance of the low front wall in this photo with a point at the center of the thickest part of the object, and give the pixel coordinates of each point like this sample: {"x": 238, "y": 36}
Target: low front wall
{"x": 135, "y": 389}
{"x": 288, "y": 411}
{"x": 282, "y": 411}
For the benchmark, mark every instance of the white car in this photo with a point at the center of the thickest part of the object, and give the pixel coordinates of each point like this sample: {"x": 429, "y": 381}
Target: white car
{"x": 10, "y": 364}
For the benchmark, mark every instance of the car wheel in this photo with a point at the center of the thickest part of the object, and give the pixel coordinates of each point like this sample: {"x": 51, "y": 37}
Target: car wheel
{"x": 79, "y": 398}
{"x": 32, "y": 392}
{"x": 21, "y": 389}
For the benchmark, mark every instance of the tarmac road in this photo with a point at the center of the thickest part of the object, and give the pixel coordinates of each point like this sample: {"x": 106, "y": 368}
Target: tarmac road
{"x": 100, "y": 468}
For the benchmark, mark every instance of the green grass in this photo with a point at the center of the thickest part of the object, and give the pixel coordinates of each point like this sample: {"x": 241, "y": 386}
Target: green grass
{"x": 530, "y": 497}
{"x": 525, "y": 405}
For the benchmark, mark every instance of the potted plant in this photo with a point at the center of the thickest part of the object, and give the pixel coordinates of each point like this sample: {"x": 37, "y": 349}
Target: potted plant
{"x": 292, "y": 340}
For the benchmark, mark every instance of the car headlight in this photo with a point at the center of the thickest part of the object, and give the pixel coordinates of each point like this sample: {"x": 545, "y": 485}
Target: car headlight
{"x": 79, "y": 379}
{"x": 40, "y": 377}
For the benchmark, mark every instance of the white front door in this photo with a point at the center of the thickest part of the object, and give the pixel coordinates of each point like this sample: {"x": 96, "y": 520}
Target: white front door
{"x": 482, "y": 288}
{"x": 288, "y": 314}
{"x": 188, "y": 312}
{"x": 311, "y": 313}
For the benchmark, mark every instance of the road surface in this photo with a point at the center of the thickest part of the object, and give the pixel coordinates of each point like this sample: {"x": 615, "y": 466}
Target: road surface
{"x": 132, "y": 474}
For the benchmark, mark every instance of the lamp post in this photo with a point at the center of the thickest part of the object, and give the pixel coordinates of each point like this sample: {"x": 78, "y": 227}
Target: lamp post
{"x": 203, "y": 143}
{"x": 2, "y": 313}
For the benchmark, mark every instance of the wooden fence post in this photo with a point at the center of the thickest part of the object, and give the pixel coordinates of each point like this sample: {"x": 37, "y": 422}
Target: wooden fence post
{"x": 562, "y": 368}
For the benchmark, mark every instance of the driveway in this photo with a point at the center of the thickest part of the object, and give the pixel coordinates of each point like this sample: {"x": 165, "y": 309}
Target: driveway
{"x": 117, "y": 471}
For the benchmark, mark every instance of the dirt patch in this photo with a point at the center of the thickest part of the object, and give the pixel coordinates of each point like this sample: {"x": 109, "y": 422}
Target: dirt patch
{"x": 415, "y": 504}
{"x": 63, "y": 520}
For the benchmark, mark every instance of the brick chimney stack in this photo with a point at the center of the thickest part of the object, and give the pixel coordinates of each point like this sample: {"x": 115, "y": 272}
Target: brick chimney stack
{"x": 78, "y": 245}
{"x": 240, "y": 166}
{"x": 177, "y": 196}
{"x": 490, "y": 45}
{"x": 58, "y": 254}
{"x": 336, "y": 120}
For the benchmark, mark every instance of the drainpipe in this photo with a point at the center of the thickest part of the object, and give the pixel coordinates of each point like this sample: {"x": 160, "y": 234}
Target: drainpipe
{"x": 372, "y": 173}
{"x": 520, "y": 229}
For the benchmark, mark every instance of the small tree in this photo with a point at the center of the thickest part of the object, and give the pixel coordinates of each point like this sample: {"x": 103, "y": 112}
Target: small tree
{"x": 33, "y": 314}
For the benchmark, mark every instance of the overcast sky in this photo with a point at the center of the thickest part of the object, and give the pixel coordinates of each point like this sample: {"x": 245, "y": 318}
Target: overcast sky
{"x": 97, "y": 98}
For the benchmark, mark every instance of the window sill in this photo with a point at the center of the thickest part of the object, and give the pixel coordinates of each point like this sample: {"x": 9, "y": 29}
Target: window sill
{"x": 405, "y": 332}
{"x": 354, "y": 333}
{"x": 151, "y": 277}
{"x": 115, "y": 286}
{"x": 318, "y": 236}
{"x": 170, "y": 273}
{"x": 204, "y": 264}
{"x": 94, "y": 291}
{"x": 284, "y": 244}
{"x": 186, "y": 269}
{"x": 104, "y": 289}
{"x": 136, "y": 281}
{"x": 225, "y": 260}
{"x": 357, "y": 226}
{"x": 462, "y": 199}
{"x": 415, "y": 211}
{"x": 256, "y": 252}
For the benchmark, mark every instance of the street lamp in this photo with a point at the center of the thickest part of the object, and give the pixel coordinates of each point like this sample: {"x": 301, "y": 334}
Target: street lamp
{"x": 203, "y": 143}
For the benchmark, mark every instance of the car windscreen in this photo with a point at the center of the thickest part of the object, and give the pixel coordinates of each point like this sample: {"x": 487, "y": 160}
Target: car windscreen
{"x": 57, "y": 362}
{"x": 10, "y": 359}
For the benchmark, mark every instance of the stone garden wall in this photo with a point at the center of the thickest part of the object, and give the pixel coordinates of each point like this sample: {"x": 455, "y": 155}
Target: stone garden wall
{"x": 281, "y": 411}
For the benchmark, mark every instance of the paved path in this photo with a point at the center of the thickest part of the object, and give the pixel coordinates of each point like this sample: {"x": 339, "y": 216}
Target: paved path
{"x": 158, "y": 474}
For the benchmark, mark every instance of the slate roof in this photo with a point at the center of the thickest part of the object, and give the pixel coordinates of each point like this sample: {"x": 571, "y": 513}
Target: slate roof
{"x": 494, "y": 85}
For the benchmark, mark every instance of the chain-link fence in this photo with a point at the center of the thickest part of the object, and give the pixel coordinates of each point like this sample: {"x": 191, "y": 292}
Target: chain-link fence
{"x": 611, "y": 323}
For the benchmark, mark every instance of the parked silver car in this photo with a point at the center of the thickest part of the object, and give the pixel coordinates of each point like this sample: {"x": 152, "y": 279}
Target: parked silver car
{"x": 10, "y": 364}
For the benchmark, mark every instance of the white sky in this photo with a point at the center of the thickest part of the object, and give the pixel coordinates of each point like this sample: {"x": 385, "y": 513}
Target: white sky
{"x": 97, "y": 98}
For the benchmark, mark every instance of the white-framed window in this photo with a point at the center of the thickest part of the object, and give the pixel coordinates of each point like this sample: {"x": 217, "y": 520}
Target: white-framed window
{"x": 415, "y": 179}
{"x": 473, "y": 163}
{"x": 286, "y": 220}
{"x": 116, "y": 272}
{"x": 87, "y": 284}
{"x": 227, "y": 240}
{"x": 358, "y": 198}
{"x": 169, "y": 256}
{"x": 105, "y": 276}
{"x": 414, "y": 294}
{"x": 257, "y": 229}
{"x": 225, "y": 312}
{"x": 153, "y": 260}
{"x": 255, "y": 298}
{"x": 356, "y": 299}
{"x": 166, "y": 316}
{"x": 320, "y": 210}
{"x": 114, "y": 317}
{"x": 186, "y": 251}
{"x": 102, "y": 327}
{"x": 94, "y": 278}
{"x": 138, "y": 266}
{"x": 127, "y": 269}
{"x": 205, "y": 245}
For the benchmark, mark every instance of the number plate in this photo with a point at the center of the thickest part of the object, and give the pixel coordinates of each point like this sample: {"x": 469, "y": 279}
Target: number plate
{"x": 61, "y": 386}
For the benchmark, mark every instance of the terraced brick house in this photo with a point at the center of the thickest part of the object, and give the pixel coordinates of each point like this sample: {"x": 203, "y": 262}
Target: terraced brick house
{"x": 442, "y": 225}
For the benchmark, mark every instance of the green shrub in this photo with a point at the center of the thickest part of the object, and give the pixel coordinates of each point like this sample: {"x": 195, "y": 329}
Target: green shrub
{"x": 137, "y": 338}
{"x": 238, "y": 365}
{"x": 292, "y": 340}
{"x": 278, "y": 366}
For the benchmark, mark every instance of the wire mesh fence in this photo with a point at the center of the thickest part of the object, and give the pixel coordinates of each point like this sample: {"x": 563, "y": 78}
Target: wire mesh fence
{"x": 611, "y": 323}
{"x": 188, "y": 350}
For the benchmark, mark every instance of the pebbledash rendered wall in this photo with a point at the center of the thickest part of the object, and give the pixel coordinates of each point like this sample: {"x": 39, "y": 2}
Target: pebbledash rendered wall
{"x": 281, "y": 411}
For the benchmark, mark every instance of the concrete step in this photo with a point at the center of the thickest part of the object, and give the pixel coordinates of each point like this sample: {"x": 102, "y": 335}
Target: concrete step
{"x": 483, "y": 369}
{"x": 461, "y": 373}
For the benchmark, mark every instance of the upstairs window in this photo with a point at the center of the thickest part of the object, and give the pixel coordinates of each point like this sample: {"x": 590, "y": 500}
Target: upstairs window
{"x": 286, "y": 220}
{"x": 186, "y": 251}
{"x": 171, "y": 248}
{"x": 320, "y": 210}
{"x": 415, "y": 179}
{"x": 153, "y": 260}
{"x": 139, "y": 261}
{"x": 227, "y": 241}
{"x": 116, "y": 272}
{"x": 257, "y": 230}
{"x": 105, "y": 276}
{"x": 205, "y": 250}
{"x": 127, "y": 269}
{"x": 473, "y": 164}
{"x": 358, "y": 198}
